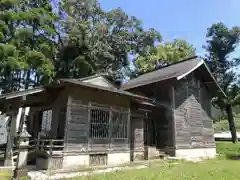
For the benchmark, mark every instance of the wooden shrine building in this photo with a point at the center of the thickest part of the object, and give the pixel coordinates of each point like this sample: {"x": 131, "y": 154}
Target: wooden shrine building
{"x": 91, "y": 121}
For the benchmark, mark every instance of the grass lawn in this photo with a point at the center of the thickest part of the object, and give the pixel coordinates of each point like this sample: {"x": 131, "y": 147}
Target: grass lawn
{"x": 222, "y": 168}
{"x": 222, "y": 125}
{"x": 225, "y": 167}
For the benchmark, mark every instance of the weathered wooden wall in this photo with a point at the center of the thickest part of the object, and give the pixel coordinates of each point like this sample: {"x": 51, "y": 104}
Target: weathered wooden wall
{"x": 77, "y": 126}
{"x": 164, "y": 119}
{"x": 81, "y": 104}
{"x": 160, "y": 126}
{"x": 137, "y": 134}
{"x": 193, "y": 124}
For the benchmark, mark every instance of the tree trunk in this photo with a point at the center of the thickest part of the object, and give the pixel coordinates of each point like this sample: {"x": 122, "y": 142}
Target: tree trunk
{"x": 231, "y": 123}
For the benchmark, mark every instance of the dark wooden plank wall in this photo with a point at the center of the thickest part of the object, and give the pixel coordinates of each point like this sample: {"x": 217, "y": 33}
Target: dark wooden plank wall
{"x": 160, "y": 124}
{"x": 164, "y": 119}
{"x": 77, "y": 126}
{"x": 78, "y": 129}
{"x": 193, "y": 124}
{"x": 137, "y": 132}
{"x": 164, "y": 129}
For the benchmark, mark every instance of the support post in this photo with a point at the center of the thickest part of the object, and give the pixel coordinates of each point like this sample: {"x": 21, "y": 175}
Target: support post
{"x": 173, "y": 119}
{"x": 22, "y": 147}
{"x": 110, "y": 129}
{"x": 38, "y": 142}
{"x": 129, "y": 128}
{"x": 8, "y": 160}
{"x": 89, "y": 123}
{"x": 68, "y": 116}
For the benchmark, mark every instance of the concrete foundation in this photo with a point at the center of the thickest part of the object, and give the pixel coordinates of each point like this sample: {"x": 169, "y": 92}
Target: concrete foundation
{"x": 203, "y": 153}
{"x": 152, "y": 152}
{"x": 138, "y": 156}
{"x": 118, "y": 158}
{"x": 83, "y": 160}
{"x": 75, "y": 161}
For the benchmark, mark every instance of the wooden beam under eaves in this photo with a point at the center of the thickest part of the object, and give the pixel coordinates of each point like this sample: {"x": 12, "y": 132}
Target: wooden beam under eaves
{"x": 210, "y": 82}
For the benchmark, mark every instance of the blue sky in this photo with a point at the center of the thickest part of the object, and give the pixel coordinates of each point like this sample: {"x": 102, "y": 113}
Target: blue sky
{"x": 186, "y": 19}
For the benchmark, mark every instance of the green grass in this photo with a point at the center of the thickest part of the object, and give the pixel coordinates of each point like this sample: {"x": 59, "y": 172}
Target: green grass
{"x": 228, "y": 150}
{"x": 222, "y": 168}
{"x": 5, "y": 175}
{"x": 222, "y": 125}
{"x": 225, "y": 167}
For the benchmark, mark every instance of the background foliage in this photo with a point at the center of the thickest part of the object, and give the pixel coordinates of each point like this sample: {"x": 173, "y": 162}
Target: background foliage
{"x": 44, "y": 40}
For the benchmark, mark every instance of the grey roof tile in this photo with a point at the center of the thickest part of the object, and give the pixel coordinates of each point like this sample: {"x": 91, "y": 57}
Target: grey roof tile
{"x": 168, "y": 72}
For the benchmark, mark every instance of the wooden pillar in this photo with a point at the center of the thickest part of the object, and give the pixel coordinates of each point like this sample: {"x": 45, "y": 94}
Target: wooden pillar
{"x": 68, "y": 116}
{"x": 110, "y": 129}
{"x": 89, "y": 123}
{"x": 173, "y": 116}
{"x": 11, "y": 131}
{"x": 55, "y": 121}
{"x": 129, "y": 128}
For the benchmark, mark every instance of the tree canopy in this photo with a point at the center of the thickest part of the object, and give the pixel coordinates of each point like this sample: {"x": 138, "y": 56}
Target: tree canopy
{"x": 26, "y": 49}
{"x": 44, "y": 40}
{"x": 164, "y": 53}
{"x": 41, "y": 41}
{"x": 221, "y": 43}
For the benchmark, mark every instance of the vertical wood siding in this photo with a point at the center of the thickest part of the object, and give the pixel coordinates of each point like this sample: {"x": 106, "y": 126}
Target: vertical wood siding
{"x": 137, "y": 134}
{"x": 84, "y": 122}
{"x": 164, "y": 119}
{"x": 192, "y": 115}
{"x": 77, "y": 132}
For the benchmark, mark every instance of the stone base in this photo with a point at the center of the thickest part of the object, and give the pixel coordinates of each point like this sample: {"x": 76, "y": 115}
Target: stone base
{"x": 75, "y": 160}
{"x": 204, "y": 153}
{"x": 49, "y": 163}
{"x": 20, "y": 173}
{"x": 118, "y": 158}
{"x": 152, "y": 152}
{"x": 84, "y": 160}
{"x": 138, "y": 156}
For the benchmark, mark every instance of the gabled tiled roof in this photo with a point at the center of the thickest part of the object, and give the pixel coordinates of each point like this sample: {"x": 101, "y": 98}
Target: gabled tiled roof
{"x": 177, "y": 71}
{"x": 109, "y": 89}
{"x": 168, "y": 72}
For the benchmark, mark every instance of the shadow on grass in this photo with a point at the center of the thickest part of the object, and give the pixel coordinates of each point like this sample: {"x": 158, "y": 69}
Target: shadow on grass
{"x": 232, "y": 156}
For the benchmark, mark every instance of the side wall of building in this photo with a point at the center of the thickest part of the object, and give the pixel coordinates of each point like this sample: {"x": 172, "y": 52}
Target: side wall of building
{"x": 194, "y": 134}
{"x": 97, "y": 128}
{"x": 158, "y": 126}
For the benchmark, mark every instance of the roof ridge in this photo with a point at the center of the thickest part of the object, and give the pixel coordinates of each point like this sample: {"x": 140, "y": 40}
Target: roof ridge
{"x": 91, "y": 76}
{"x": 178, "y": 62}
{"x": 194, "y": 59}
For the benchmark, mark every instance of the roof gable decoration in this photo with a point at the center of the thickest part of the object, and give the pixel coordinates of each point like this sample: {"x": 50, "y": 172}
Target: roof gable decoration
{"x": 202, "y": 63}
{"x": 99, "y": 81}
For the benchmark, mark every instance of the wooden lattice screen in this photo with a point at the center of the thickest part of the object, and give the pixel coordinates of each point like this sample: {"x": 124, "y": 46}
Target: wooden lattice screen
{"x": 105, "y": 127}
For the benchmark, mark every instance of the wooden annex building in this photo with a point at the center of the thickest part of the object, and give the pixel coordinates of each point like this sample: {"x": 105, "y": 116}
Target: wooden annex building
{"x": 91, "y": 121}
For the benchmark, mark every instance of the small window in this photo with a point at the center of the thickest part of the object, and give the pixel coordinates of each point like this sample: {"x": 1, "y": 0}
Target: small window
{"x": 99, "y": 124}
{"x": 119, "y": 125}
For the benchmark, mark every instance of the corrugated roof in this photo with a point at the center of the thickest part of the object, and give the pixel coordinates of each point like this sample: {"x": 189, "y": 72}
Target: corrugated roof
{"x": 168, "y": 72}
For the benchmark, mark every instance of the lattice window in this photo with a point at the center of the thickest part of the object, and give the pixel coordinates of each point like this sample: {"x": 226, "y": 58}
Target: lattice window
{"x": 99, "y": 124}
{"x": 119, "y": 124}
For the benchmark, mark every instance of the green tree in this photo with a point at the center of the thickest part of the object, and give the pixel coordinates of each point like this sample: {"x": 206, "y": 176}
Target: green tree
{"x": 27, "y": 32}
{"x": 106, "y": 38}
{"x": 164, "y": 53}
{"x": 221, "y": 43}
